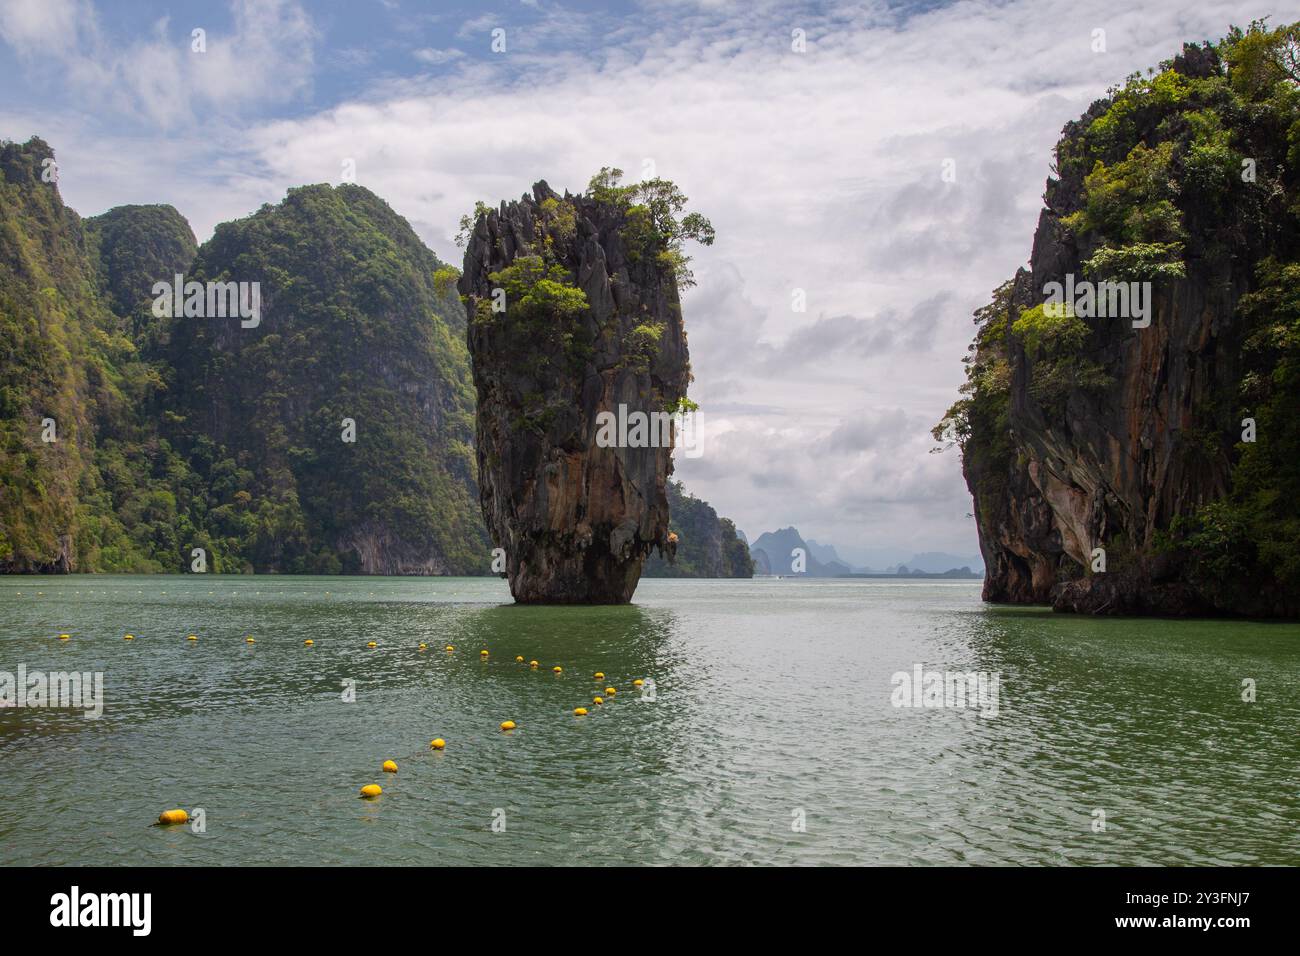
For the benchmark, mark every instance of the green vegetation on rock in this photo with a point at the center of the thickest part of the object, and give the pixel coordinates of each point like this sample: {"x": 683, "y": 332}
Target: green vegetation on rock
{"x": 102, "y": 495}
{"x": 707, "y": 545}
{"x": 138, "y": 246}
{"x": 652, "y": 208}
{"x": 183, "y": 433}
{"x": 356, "y": 327}
{"x": 1187, "y": 178}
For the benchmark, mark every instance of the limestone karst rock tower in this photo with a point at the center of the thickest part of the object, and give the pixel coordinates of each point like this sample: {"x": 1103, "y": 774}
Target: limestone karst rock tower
{"x": 1139, "y": 451}
{"x": 573, "y": 311}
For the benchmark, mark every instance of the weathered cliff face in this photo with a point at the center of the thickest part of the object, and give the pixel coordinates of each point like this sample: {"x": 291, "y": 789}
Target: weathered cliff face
{"x": 707, "y": 545}
{"x": 1111, "y": 470}
{"x": 576, "y": 519}
{"x": 1087, "y": 432}
{"x": 64, "y": 369}
{"x": 378, "y": 549}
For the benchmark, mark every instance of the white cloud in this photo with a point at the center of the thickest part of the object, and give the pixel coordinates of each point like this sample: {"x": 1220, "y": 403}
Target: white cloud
{"x": 482, "y": 24}
{"x": 267, "y": 57}
{"x": 51, "y": 26}
{"x": 437, "y": 57}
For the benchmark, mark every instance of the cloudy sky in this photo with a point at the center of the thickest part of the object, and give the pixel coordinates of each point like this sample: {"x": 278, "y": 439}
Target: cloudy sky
{"x": 822, "y": 170}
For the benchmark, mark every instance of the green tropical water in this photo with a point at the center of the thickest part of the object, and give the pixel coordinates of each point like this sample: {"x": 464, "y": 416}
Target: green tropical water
{"x": 772, "y": 708}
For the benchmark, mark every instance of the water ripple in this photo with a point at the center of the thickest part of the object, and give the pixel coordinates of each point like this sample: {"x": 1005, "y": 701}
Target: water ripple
{"x": 772, "y": 738}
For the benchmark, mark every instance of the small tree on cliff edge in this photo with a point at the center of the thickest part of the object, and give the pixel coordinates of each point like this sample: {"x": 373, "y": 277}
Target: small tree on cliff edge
{"x": 652, "y": 208}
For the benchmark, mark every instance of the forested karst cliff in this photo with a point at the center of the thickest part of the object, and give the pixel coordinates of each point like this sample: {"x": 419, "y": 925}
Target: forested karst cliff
{"x": 1149, "y": 461}
{"x": 339, "y": 427}
{"x": 573, "y": 314}
{"x": 84, "y": 481}
{"x": 333, "y": 433}
{"x": 707, "y": 546}
{"x": 173, "y": 433}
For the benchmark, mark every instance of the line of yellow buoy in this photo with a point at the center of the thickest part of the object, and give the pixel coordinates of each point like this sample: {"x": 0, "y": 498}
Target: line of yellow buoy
{"x": 372, "y": 790}
{"x": 483, "y": 655}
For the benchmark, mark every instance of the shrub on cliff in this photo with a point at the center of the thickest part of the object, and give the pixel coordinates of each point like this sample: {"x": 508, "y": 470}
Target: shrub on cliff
{"x": 653, "y": 228}
{"x": 536, "y": 294}
{"x": 1053, "y": 342}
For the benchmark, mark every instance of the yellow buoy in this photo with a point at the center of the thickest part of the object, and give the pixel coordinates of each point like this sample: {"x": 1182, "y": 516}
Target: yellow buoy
{"x": 424, "y": 647}
{"x": 580, "y": 711}
{"x": 610, "y": 692}
{"x": 65, "y": 637}
{"x": 371, "y": 790}
{"x": 482, "y": 654}
{"x": 532, "y": 663}
{"x": 390, "y": 766}
{"x": 192, "y": 637}
{"x": 507, "y": 725}
{"x": 170, "y": 817}
{"x": 638, "y": 682}
{"x": 519, "y": 659}
{"x": 129, "y": 637}
{"x": 450, "y": 648}
{"x": 308, "y": 643}
{"x": 598, "y": 700}
{"x": 249, "y": 640}
{"x": 557, "y": 668}
{"x": 372, "y": 644}
{"x": 600, "y": 675}
{"x": 438, "y": 744}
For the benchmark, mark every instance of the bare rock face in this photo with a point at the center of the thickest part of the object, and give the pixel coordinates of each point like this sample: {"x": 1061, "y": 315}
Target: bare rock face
{"x": 587, "y": 320}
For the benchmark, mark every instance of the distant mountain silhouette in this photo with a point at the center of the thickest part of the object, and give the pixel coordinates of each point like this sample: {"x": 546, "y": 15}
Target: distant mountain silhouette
{"x": 774, "y": 552}
{"x": 936, "y": 562}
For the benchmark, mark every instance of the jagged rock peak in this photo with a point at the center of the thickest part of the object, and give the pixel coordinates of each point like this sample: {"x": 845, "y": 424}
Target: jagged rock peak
{"x": 574, "y": 321}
